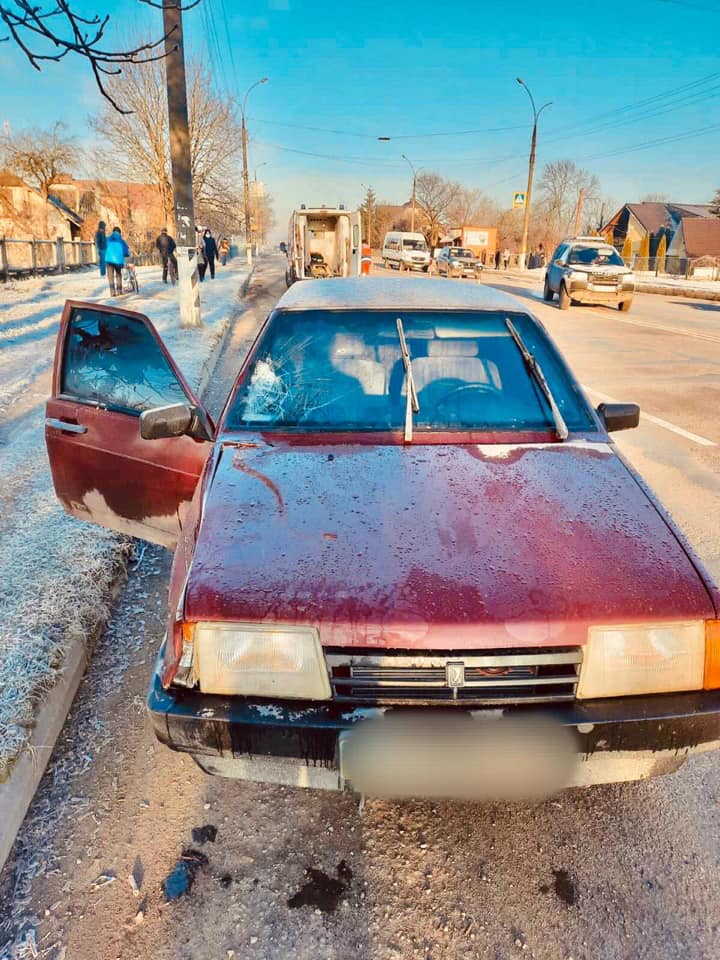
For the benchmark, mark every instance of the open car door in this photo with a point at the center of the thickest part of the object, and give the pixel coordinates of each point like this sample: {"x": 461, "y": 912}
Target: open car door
{"x": 111, "y": 368}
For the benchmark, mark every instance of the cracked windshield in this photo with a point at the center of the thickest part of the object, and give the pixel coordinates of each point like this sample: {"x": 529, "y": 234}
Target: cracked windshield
{"x": 359, "y": 481}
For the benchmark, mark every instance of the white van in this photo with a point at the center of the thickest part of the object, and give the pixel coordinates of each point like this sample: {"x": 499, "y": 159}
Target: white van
{"x": 405, "y": 251}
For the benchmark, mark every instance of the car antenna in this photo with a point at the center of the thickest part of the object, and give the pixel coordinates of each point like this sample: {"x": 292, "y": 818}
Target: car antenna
{"x": 536, "y": 370}
{"x": 411, "y": 404}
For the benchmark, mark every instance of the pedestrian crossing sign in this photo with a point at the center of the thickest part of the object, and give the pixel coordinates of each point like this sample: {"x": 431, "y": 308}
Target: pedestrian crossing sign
{"x": 519, "y": 198}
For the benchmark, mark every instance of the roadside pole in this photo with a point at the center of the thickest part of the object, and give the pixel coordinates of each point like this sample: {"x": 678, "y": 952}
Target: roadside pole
{"x": 578, "y": 215}
{"x": 180, "y": 161}
{"x": 246, "y": 195}
{"x": 531, "y": 172}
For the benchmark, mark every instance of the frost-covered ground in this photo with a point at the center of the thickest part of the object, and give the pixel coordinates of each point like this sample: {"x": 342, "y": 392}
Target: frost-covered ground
{"x": 55, "y": 572}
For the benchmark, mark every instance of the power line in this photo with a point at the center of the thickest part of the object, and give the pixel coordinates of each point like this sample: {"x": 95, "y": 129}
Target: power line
{"x": 372, "y": 136}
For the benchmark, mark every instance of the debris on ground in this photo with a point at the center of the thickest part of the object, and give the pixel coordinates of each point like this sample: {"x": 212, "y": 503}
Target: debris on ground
{"x": 179, "y": 882}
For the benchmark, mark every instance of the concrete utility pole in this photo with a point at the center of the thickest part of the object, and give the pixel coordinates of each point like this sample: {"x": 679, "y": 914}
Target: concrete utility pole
{"x": 531, "y": 172}
{"x": 578, "y": 215}
{"x": 180, "y": 161}
{"x": 246, "y": 175}
{"x": 412, "y": 215}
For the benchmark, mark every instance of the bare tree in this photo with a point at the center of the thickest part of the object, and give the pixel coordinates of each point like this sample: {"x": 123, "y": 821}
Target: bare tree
{"x": 135, "y": 145}
{"x": 52, "y": 30}
{"x": 559, "y": 190}
{"x": 472, "y": 207}
{"x": 39, "y": 156}
{"x": 435, "y": 197}
{"x": 655, "y": 198}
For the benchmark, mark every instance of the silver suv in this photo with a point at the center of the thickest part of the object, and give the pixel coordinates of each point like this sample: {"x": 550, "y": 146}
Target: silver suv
{"x": 588, "y": 270}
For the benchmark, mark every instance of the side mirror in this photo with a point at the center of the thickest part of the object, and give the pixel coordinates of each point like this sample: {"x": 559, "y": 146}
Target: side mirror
{"x": 619, "y": 416}
{"x": 558, "y": 263}
{"x": 171, "y": 421}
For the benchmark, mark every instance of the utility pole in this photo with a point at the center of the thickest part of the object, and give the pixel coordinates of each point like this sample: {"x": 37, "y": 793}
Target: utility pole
{"x": 578, "y": 215}
{"x": 531, "y": 172}
{"x": 246, "y": 175}
{"x": 181, "y": 165}
{"x": 412, "y": 215}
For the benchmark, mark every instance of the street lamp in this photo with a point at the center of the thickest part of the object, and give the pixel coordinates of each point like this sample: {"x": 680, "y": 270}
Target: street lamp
{"x": 531, "y": 170}
{"x": 414, "y": 173}
{"x": 246, "y": 181}
{"x": 263, "y": 164}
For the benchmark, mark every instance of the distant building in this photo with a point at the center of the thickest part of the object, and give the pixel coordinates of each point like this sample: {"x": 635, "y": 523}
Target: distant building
{"x": 24, "y": 213}
{"x": 481, "y": 240}
{"x": 636, "y": 220}
{"x": 694, "y": 239}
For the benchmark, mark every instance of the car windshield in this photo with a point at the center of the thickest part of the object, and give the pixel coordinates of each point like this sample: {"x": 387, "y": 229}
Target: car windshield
{"x": 414, "y": 245}
{"x": 343, "y": 370}
{"x": 595, "y": 256}
{"x": 462, "y": 252}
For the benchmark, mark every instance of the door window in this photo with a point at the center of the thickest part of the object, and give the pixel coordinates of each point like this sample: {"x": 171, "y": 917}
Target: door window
{"x": 113, "y": 359}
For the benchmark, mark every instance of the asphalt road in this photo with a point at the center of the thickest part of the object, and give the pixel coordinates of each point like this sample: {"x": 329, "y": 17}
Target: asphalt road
{"x": 617, "y": 872}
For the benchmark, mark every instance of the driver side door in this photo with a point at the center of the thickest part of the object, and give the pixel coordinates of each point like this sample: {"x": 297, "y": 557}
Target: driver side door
{"x": 110, "y": 367}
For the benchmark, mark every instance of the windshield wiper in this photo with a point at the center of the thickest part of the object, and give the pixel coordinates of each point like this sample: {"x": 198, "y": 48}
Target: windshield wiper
{"x": 411, "y": 404}
{"x": 536, "y": 370}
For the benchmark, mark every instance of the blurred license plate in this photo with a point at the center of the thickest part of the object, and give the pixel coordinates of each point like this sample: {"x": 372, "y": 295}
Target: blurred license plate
{"x": 458, "y": 757}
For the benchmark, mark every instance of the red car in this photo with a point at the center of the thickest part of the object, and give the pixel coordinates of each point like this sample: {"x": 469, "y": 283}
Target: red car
{"x": 408, "y": 523}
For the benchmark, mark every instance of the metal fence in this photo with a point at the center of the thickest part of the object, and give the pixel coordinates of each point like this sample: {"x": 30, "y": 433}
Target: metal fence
{"x": 22, "y": 258}
{"x": 698, "y": 268}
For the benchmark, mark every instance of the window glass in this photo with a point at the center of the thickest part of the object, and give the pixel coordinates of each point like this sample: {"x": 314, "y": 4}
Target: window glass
{"x": 342, "y": 370}
{"x": 115, "y": 360}
{"x": 595, "y": 256}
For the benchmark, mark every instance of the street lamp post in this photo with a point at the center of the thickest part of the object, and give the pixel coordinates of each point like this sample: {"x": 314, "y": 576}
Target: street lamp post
{"x": 246, "y": 177}
{"x": 369, "y": 214}
{"x": 531, "y": 171}
{"x": 414, "y": 173}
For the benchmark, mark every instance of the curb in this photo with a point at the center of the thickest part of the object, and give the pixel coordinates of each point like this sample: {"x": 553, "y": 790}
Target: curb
{"x": 208, "y": 367}
{"x": 693, "y": 293}
{"x": 18, "y": 791}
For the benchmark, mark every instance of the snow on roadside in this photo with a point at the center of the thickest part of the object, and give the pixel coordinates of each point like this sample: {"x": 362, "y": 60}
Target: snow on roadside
{"x": 56, "y": 573}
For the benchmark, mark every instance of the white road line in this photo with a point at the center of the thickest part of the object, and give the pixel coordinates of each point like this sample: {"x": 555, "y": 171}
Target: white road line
{"x": 703, "y": 441}
{"x": 683, "y": 333}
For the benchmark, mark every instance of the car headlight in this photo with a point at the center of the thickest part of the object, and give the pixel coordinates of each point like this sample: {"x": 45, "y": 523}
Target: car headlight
{"x": 635, "y": 659}
{"x": 260, "y": 660}
{"x": 628, "y": 278}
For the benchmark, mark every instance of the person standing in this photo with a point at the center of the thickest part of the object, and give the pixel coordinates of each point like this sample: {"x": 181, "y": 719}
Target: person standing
{"x": 201, "y": 258}
{"x": 497, "y": 258}
{"x": 506, "y": 258}
{"x": 115, "y": 252}
{"x": 211, "y": 251}
{"x": 166, "y": 247}
{"x": 100, "y": 245}
{"x": 224, "y": 250}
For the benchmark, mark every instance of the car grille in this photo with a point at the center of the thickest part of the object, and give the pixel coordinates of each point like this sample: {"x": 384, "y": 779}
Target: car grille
{"x": 604, "y": 280}
{"x": 479, "y": 678}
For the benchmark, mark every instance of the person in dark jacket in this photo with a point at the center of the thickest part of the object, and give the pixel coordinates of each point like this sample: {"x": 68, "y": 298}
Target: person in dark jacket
{"x": 497, "y": 259}
{"x": 211, "y": 251}
{"x": 166, "y": 247}
{"x": 100, "y": 244}
{"x": 115, "y": 252}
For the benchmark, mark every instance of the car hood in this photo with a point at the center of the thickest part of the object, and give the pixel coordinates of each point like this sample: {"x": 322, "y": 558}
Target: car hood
{"x": 437, "y": 547}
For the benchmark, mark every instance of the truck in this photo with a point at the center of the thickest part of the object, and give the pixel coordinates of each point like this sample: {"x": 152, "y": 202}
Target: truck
{"x": 323, "y": 242}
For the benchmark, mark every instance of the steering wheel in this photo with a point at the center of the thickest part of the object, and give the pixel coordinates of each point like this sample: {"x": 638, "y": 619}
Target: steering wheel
{"x": 454, "y": 392}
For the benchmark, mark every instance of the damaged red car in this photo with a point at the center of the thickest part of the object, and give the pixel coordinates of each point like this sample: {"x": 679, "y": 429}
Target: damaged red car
{"x": 409, "y": 560}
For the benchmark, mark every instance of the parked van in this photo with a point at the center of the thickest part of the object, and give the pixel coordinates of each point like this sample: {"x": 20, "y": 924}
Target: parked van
{"x": 323, "y": 242}
{"x": 405, "y": 251}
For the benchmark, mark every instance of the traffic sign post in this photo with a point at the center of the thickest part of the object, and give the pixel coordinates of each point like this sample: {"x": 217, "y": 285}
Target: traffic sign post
{"x": 519, "y": 199}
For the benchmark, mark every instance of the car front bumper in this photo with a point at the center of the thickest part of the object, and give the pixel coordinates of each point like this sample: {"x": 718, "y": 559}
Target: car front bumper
{"x": 587, "y": 294}
{"x": 300, "y": 744}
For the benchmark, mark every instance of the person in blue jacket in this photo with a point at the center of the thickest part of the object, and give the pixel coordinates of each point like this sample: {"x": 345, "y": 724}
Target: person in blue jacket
{"x": 115, "y": 252}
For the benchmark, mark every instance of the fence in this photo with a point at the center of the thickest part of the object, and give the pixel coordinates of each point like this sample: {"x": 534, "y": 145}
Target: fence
{"x": 699, "y": 268}
{"x": 22, "y": 258}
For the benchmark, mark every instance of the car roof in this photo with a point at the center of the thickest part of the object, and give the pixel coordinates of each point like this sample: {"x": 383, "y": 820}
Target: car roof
{"x": 383, "y": 293}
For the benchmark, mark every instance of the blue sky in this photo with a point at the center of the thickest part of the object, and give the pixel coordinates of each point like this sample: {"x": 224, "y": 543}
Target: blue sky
{"x": 408, "y": 70}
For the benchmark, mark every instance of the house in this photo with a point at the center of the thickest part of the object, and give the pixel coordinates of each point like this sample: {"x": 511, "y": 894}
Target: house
{"x": 695, "y": 247}
{"x": 656, "y": 219}
{"x": 25, "y": 214}
{"x": 481, "y": 240}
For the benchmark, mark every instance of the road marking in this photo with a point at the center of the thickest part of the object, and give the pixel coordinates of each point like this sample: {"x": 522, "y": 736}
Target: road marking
{"x": 703, "y": 441}
{"x": 683, "y": 333}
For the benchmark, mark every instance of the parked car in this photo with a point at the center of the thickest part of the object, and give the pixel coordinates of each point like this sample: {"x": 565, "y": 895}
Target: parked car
{"x": 458, "y": 262}
{"x": 588, "y": 270}
{"x": 409, "y": 558}
{"x": 405, "y": 251}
